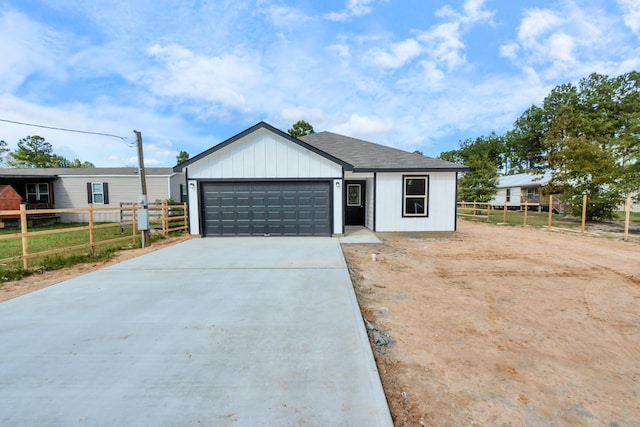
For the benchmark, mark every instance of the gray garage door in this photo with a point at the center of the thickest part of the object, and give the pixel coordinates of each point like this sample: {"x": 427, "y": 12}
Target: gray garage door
{"x": 273, "y": 208}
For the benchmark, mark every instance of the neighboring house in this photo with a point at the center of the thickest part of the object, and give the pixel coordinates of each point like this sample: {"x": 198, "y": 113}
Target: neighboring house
{"x": 523, "y": 189}
{"x": 62, "y": 188}
{"x": 265, "y": 182}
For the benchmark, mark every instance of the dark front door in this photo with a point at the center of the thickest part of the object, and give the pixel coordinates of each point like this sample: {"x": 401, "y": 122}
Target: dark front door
{"x": 355, "y": 202}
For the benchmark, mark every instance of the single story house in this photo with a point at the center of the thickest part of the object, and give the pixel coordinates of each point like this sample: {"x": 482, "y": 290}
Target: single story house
{"x": 62, "y": 188}
{"x": 523, "y": 189}
{"x": 263, "y": 181}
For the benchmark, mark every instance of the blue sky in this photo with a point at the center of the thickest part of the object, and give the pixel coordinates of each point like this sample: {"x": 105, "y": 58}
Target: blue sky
{"x": 412, "y": 74}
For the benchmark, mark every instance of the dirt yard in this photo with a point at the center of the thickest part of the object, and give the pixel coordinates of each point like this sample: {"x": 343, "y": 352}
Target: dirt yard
{"x": 505, "y": 326}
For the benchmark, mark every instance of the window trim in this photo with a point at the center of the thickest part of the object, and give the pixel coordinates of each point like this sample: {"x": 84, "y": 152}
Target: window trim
{"x": 37, "y": 193}
{"x": 425, "y": 197}
{"x": 91, "y": 194}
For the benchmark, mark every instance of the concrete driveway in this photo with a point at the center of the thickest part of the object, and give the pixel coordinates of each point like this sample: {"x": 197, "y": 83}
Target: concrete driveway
{"x": 211, "y": 332}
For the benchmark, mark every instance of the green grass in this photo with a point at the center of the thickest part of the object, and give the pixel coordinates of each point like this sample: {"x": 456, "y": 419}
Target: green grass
{"x": 536, "y": 219}
{"x": 13, "y": 247}
{"x": 634, "y": 216}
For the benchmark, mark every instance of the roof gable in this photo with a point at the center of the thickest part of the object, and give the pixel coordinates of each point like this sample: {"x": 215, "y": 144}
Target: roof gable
{"x": 253, "y": 129}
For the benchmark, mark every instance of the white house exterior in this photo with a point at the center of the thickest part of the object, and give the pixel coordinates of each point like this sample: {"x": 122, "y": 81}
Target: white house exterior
{"x": 265, "y": 182}
{"x": 521, "y": 189}
{"x": 63, "y": 188}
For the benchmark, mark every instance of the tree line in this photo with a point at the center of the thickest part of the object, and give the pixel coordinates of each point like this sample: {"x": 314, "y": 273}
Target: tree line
{"x": 35, "y": 152}
{"x": 586, "y": 135}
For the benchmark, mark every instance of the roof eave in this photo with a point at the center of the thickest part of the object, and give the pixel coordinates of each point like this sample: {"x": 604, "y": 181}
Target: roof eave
{"x": 395, "y": 170}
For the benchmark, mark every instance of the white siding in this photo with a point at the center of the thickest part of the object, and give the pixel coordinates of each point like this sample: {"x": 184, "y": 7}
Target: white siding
{"x": 371, "y": 203}
{"x": 264, "y": 155}
{"x": 337, "y": 185}
{"x": 442, "y": 203}
{"x": 194, "y": 208}
{"x": 70, "y": 191}
{"x": 501, "y": 195}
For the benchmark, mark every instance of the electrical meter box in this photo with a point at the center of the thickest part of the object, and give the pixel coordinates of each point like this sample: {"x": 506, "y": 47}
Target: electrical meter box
{"x": 143, "y": 219}
{"x": 142, "y": 200}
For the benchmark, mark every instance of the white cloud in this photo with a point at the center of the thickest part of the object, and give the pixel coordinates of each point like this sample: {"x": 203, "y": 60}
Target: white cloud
{"x": 283, "y": 16}
{"x": 397, "y": 55}
{"x": 472, "y": 12}
{"x": 444, "y": 44}
{"x": 631, "y": 14}
{"x": 27, "y": 48}
{"x": 352, "y": 8}
{"x": 365, "y": 127}
{"x": 342, "y": 50}
{"x": 536, "y": 23}
{"x": 567, "y": 43}
{"x": 227, "y": 79}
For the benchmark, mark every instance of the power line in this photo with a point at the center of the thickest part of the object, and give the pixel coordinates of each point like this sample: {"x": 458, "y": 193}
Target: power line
{"x": 122, "y": 138}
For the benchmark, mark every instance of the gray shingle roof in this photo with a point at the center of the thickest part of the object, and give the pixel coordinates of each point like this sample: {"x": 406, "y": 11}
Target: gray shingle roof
{"x": 369, "y": 157}
{"x": 53, "y": 172}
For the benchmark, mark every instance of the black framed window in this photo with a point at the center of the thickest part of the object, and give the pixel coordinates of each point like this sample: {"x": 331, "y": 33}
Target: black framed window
{"x": 415, "y": 196}
{"x": 98, "y": 193}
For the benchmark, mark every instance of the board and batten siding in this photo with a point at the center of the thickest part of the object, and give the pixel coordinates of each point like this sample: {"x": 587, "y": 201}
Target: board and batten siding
{"x": 70, "y": 191}
{"x": 262, "y": 155}
{"x": 442, "y": 203}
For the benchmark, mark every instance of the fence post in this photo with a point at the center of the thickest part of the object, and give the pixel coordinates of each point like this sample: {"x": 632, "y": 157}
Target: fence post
{"x": 627, "y": 217}
{"x": 488, "y": 212}
{"x": 185, "y": 218}
{"x": 165, "y": 217}
{"x": 526, "y": 210}
{"x": 25, "y": 240}
{"x": 584, "y": 213}
{"x": 504, "y": 213}
{"x": 474, "y": 208}
{"x": 550, "y": 211}
{"x": 92, "y": 236}
{"x": 134, "y": 223}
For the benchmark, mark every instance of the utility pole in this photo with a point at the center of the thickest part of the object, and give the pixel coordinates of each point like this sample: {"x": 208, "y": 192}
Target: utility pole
{"x": 146, "y": 241}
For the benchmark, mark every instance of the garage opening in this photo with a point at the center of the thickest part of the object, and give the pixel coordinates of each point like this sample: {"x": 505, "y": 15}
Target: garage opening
{"x": 275, "y": 208}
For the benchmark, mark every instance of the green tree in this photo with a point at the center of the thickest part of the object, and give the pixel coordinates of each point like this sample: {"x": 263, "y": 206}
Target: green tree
{"x": 591, "y": 141}
{"x": 32, "y": 152}
{"x": 483, "y": 156}
{"x": 300, "y": 128}
{"x": 3, "y": 151}
{"x": 183, "y": 156}
{"x": 524, "y": 145}
{"x": 479, "y": 184}
{"x": 76, "y": 163}
{"x": 35, "y": 152}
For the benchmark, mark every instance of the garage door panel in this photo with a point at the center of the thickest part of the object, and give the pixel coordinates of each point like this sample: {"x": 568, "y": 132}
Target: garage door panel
{"x": 275, "y": 208}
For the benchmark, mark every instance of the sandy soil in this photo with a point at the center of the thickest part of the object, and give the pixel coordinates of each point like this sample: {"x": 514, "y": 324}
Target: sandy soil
{"x": 37, "y": 281}
{"x": 505, "y": 326}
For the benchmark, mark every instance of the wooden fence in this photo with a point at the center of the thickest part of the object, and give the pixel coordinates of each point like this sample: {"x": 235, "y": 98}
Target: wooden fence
{"x": 172, "y": 218}
{"x": 484, "y": 210}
